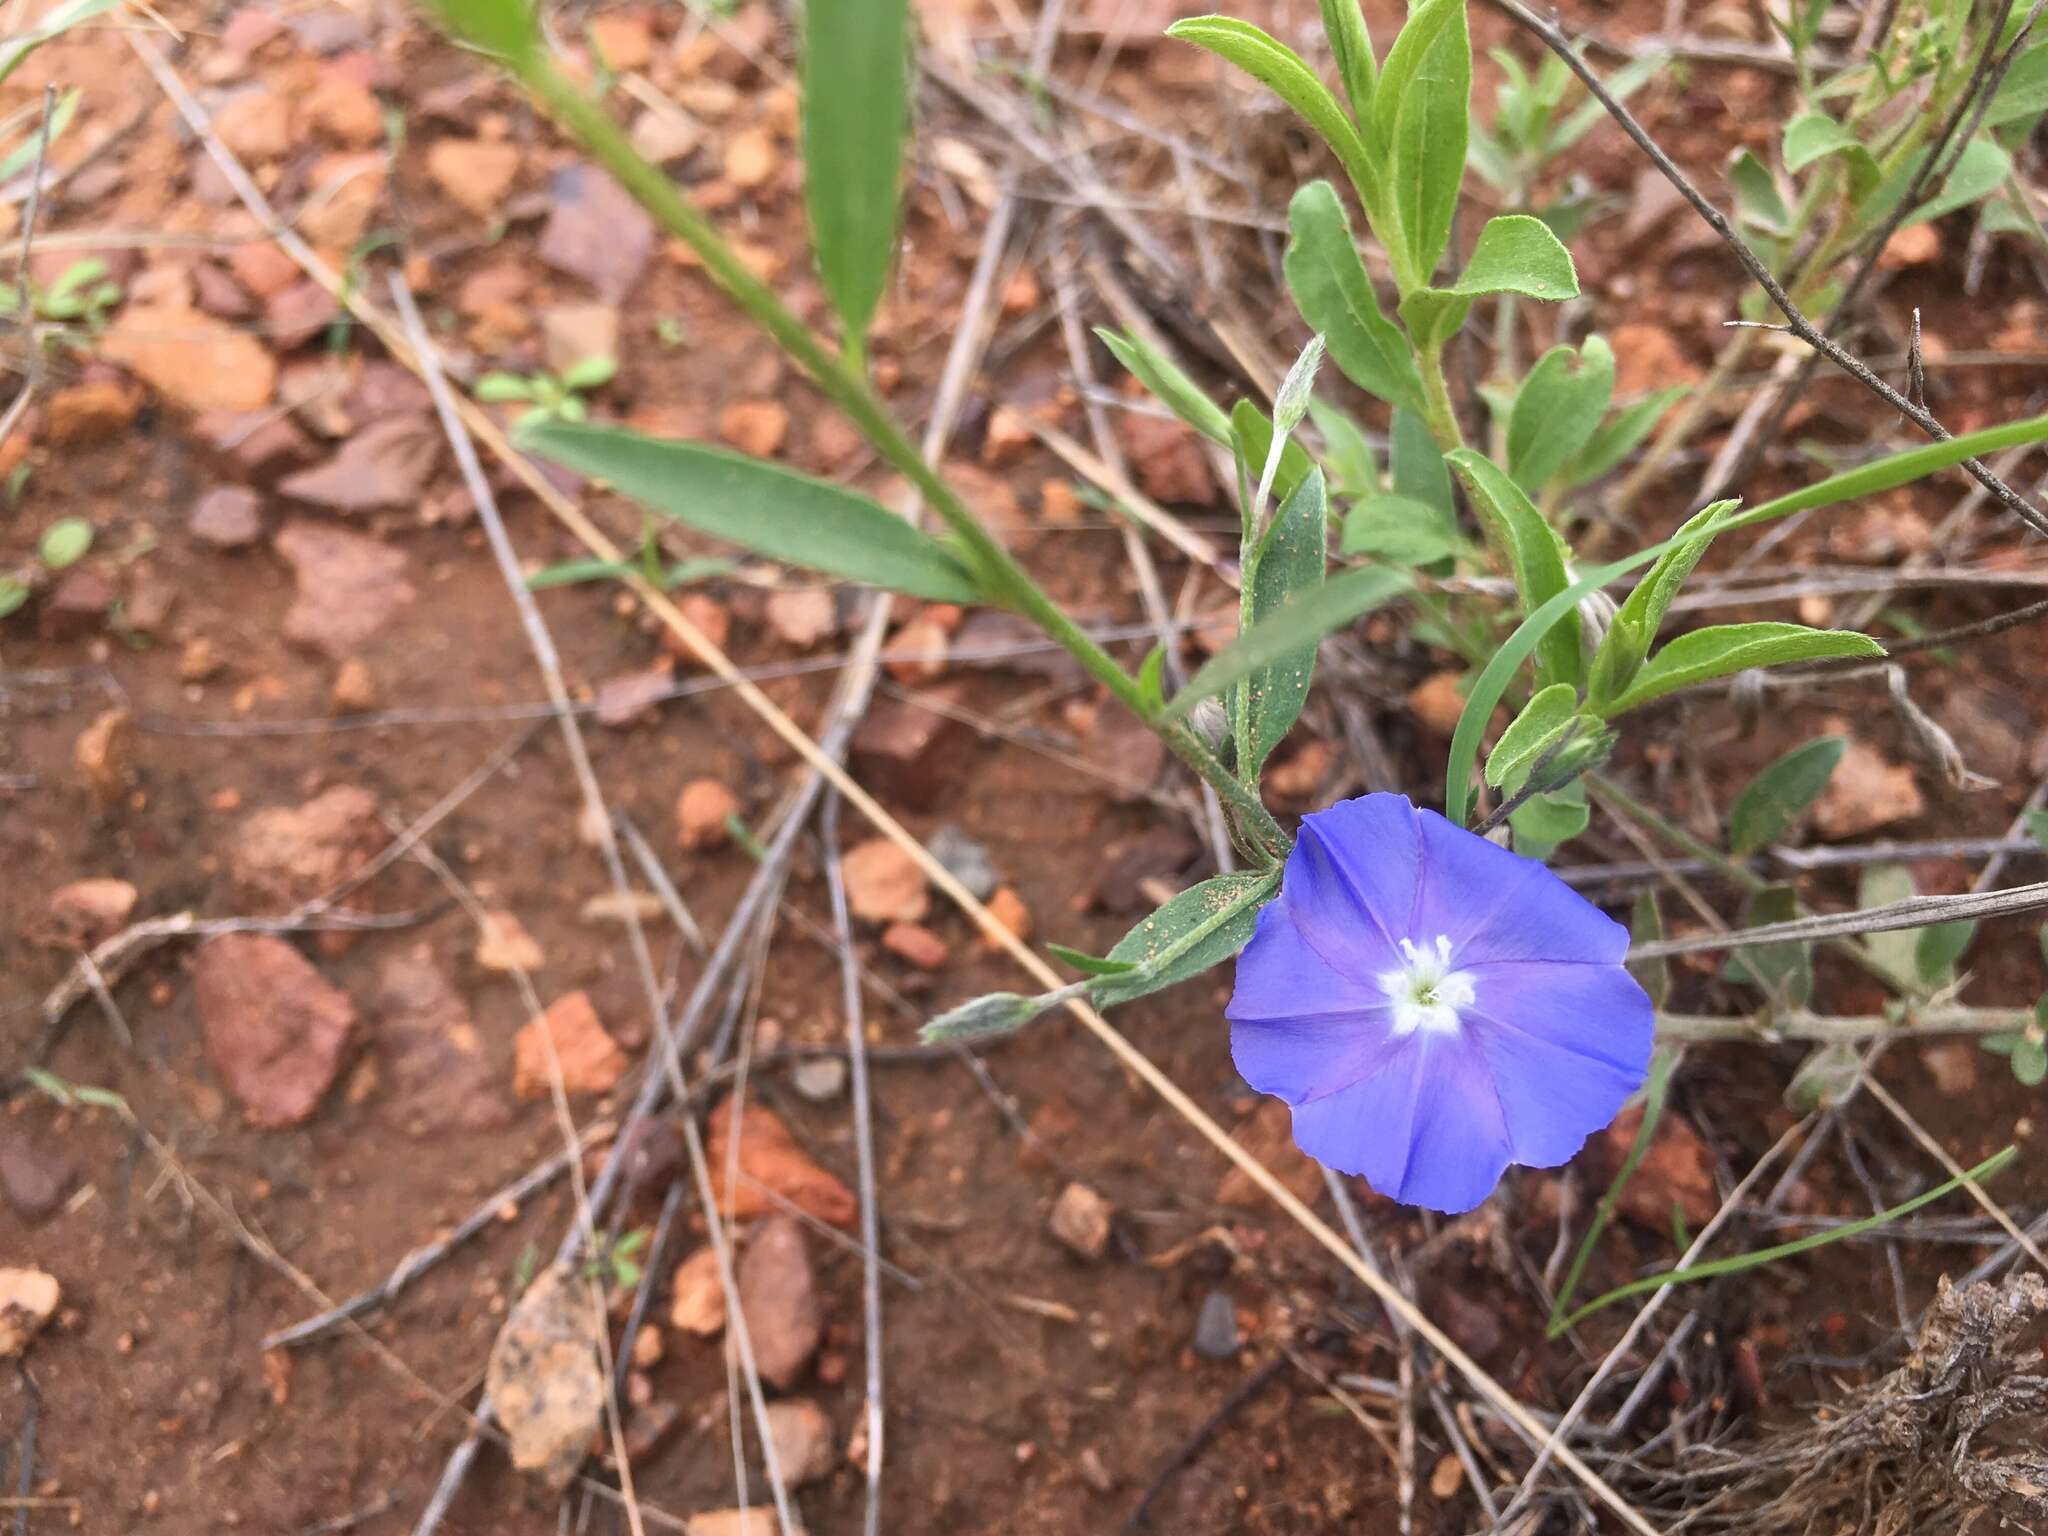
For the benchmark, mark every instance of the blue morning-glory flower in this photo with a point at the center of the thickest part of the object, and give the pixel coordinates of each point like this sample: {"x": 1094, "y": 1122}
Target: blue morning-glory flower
{"x": 1433, "y": 1006}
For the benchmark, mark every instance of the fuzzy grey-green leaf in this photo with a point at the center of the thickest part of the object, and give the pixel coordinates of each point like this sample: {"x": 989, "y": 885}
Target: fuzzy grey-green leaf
{"x": 1780, "y": 794}
{"x": 1335, "y": 296}
{"x": 1290, "y": 565}
{"x": 1519, "y": 254}
{"x": 1202, "y": 926}
{"x": 1722, "y": 650}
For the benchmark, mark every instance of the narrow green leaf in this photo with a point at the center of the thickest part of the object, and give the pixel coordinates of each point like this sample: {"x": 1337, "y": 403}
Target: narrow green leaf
{"x": 502, "y": 28}
{"x": 1518, "y": 254}
{"x": 1615, "y": 441}
{"x": 1557, "y": 410}
{"x": 13, "y": 594}
{"x": 1739, "y": 1263}
{"x": 64, "y": 542}
{"x": 1202, "y": 926}
{"x": 1663, "y": 1062}
{"x": 1291, "y": 401}
{"x": 1333, "y": 293}
{"x": 53, "y": 23}
{"x": 1542, "y": 720}
{"x": 23, "y": 155}
{"x": 1251, "y": 434}
{"x": 1879, "y": 475}
{"x": 1778, "y": 796}
{"x": 1152, "y": 677}
{"x": 762, "y": 507}
{"x": 1725, "y": 649}
{"x": 1421, "y": 111}
{"x": 1635, "y": 624}
{"x": 1344, "y": 25}
{"x": 1172, "y": 388}
{"x": 855, "y": 65}
{"x": 1283, "y": 71}
{"x": 1400, "y": 529}
{"x": 1289, "y": 567}
{"x": 501, "y": 388}
{"x": 1090, "y": 965}
{"x": 1533, "y": 555}
{"x": 1303, "y": 621}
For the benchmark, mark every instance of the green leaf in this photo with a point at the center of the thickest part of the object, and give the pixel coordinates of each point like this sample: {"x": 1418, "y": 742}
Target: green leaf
{"x": 1202, "y": 926}
{"x": 64, "y": 542}
{"x": 1302, "y": 621}
{"x": 1557, "y": 410}
{"x": 1778, "y": 796}
{"x": 53, "y": 23}
{"x": 1980, "y": 170}
{"x": 1542, "y": 721}
{"x": 1518, "y": 254}
{"x": 1400, "y": 529}
{"x": 1757, "y": 198}
{"x": 1815, "y": 136}
{"x": 1334, "y": 295}
{"x": 1879, "y": 475}
{"x": 590, "y": 373}
{"x": 1939, "y": 949}
{"x": 1420, "y": 113}
{"x": 1433, "y": 315}
{"x": 1762, "y": 1256}
{"x": 1784, "y": 970}
{"x": 1347, "y": 455}
{"x": 1635, "y": 624}
{"x": 1827, "y": 1077}
{"x": 504, "y": 28}
{"x": 762, "y": 507}
{"x": 1646, "y": 926}
{"x": 1533, "y": 555}
{"x": 13, "y": 594}
{"x": 855, "y": 64}
{"x": 2030, "y": 1059}
{"x": 1344, "y": 25}
{"x": 1152, "y": 677}
{"x": 1090, "y": 965}
{"x": 1893, "y": 951}
{"x": 1615, "y": 441}
{"x": 1172, "y": 388}
{"x": 1282, "y": 71}
{"x": 1290, "y": 566}
{"x": 1416, "y": 465}
{"x": 503, "y": 388}
{"x": 23, "y": 155}
{"x": 2024, "y": 91}
{"x": 2037, "y": 826}
{"x": 1725, "y": 649}
{"x": 1544, "y": 823}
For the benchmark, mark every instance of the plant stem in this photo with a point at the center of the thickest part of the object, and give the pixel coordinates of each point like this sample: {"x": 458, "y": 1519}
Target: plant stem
{"x": 1825, "y": 1029}
{"x": 846, "y": 384}
{"x": 1441, "y": 415}
{"x": 1655, "y": 821}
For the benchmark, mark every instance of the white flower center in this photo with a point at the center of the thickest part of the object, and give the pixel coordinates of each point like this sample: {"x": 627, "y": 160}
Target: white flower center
{"x": 1425, "y": 991}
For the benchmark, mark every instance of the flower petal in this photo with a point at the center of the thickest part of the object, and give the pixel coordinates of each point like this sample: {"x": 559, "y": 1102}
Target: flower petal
{"x": 1298, "y": 1028}
{"x": 1353, "y": 878}
{"x": 1553, "y": 1099}
{"x": 1597, "y": 1013}
{"x": 1426, "y": 1130}
{"x": 1495, "y": 905}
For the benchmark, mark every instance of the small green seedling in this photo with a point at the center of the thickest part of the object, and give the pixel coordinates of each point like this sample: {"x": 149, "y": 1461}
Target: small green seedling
{"x": 552, "y": 396}
{"x": 83, "y": 293}
{"x": 64, "y": 543}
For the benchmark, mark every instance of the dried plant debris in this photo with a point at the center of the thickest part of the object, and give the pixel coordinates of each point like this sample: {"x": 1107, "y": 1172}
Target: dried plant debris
{"x": 1949, "y": 1439}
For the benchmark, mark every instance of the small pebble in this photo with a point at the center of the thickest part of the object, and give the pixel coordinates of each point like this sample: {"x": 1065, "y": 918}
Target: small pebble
{"x": 966, "y": 861}
{"x": 819, "y": 1078}
{"x": 1216, "y": 1327}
